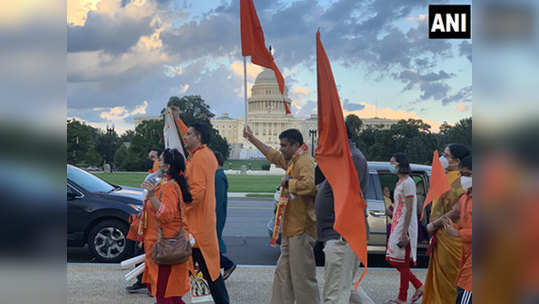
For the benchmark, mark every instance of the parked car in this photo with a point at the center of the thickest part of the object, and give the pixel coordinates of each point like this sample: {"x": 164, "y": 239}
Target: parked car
{"x": 98, "y": 215}
{"x": 379, "y": 177}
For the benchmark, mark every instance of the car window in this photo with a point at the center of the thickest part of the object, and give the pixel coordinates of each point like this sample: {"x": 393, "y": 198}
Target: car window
{"x": 371, "y": 187}
{"x": 87, "y": 181}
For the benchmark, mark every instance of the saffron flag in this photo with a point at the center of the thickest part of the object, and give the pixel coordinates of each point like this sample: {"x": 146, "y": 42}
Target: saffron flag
{"x": 438, "y": 182}
{"x": 334, "y": 159}
{"x": 253, "y": 43}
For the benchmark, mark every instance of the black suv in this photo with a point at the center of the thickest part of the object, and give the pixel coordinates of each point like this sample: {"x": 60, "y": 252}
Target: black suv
{"x": 98, "y": 215}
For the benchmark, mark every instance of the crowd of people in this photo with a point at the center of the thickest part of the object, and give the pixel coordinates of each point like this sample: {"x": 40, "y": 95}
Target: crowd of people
{"x": 191, "y": 195}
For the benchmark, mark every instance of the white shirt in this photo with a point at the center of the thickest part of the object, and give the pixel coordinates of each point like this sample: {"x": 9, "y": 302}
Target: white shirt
{"x": 404, "y": 189}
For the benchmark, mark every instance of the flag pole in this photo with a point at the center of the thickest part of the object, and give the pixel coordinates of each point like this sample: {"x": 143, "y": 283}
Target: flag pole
{"x": 245, "y": 87}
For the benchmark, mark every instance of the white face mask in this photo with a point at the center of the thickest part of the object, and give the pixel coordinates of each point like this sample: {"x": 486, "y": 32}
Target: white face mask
{"x": 444, "y": 162}
{"x": 466, "y": 182}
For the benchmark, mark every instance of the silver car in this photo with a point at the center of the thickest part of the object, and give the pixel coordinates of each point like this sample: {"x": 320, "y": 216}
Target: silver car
{"x": 380, "y": 177}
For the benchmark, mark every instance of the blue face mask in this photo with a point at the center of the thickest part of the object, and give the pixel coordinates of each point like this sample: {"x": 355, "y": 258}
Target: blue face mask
{"x": 393, "y": 169}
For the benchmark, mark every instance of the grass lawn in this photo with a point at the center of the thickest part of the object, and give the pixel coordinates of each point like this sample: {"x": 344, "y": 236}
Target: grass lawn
{"x": 236, "y": 183}
{"x": 253, "y": 164}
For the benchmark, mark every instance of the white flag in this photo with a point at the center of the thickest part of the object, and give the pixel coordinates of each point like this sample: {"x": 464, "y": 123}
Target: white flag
{"x": 170, "y": 133}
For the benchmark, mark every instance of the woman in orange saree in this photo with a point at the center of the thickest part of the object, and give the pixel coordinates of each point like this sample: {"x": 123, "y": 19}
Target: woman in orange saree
{"x": 445, "y": 251}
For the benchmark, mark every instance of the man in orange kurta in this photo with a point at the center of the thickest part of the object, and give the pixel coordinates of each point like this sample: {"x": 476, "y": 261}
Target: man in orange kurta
{"x": 200, "y": 214}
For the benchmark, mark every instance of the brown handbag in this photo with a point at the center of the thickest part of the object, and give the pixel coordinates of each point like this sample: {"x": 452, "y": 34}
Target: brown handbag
{"x": 172, "y": 251}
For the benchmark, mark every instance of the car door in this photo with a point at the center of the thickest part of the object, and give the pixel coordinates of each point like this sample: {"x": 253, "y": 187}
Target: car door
{"x": 376, "y": 215}
{"x": 76, "y": 216}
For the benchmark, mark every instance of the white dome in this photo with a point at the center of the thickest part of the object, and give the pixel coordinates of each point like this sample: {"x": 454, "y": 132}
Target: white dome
{"x": 267, "y": 76}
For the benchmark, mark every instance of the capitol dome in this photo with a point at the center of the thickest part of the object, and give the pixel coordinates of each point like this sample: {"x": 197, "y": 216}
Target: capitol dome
{"x": 265, "y": 97}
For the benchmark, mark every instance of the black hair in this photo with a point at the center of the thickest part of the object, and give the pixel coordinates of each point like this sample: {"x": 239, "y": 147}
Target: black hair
{"x": 177, "y": 165}
{"x": 466, "y": 162}
{"x": 203, "y": 130}
{"x": 219, "y": 156}
{"x": 158, "y": 151}
{"x": 348, "y": 132}
{"x": 459, "y": 151}
{"x": 292, "y": 135}
{"x": 404, "y": 164}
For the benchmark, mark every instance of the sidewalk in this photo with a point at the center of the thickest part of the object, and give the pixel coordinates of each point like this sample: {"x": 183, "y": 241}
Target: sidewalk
{"x": 104, "y": 283}
{"x": 244, "y": 194}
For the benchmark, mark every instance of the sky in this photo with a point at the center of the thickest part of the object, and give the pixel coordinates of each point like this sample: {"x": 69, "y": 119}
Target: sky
{"x": 128, "y": 57}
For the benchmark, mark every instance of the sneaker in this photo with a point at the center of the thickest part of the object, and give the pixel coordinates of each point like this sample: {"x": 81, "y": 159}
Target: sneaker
{"x": 136, "y": 288}
{"x": 227, "y": 272}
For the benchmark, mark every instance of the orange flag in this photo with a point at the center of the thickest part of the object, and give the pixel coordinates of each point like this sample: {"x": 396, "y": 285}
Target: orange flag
{"x": 334, "y": 158}
{"x": 254, "y": 45}
{"x": 438, "y": 182}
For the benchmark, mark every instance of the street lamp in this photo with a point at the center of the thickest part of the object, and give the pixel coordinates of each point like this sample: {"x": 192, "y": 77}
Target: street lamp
{"x": 312, "y": 133}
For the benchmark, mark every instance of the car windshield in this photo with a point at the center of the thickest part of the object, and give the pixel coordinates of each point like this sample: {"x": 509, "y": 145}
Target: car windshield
{"x": 87, "y": 181}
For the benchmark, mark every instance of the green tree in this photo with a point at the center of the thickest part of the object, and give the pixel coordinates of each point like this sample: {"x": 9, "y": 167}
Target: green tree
{"x": 107, "y": 144}
{"x": 120, "y": 158}
{"x": 193, "y": 109}
{"x": 127, "y": 136}
{"x": 460, "y": 133}
{"x": 148, "y": 135}
{"x": 81, "y": 144}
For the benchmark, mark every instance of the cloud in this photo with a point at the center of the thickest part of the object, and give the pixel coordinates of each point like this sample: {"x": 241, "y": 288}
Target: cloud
{"x": 465, "y": 49}
{"x": 462, "y": 107}
{"x": 463, "y": 95}
{"x": 184, "y": 88}
{"x": 116, "y": 113}
{"x": 299, "y": 95}
{"x": 418, "y": 19}
{"x": 112, "y": 27}
{"x": 140, "y": 109}
{"x": 430, "y": 84}
{"x": 252, "y": 70}
{"x": 349, "y": 106}
{"x": 370, "y": 111}
{"x": 173, "y": 71}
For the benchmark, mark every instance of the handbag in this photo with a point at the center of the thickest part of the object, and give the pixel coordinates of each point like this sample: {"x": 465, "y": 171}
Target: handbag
{"x": 172, "y": 251}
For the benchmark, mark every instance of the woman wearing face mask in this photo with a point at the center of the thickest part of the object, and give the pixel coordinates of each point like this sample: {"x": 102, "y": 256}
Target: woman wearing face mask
{"x": 445, "y": 250}
{"x": 402, "y": 244}
{"x": 463, "y": 212}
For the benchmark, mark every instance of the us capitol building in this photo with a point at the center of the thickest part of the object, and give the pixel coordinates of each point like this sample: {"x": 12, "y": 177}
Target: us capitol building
{"x": 267, "y": 119}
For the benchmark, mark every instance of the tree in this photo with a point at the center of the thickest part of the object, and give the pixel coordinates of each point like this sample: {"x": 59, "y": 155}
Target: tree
{"x": 127, "y": 136}
{"x": 193, "y": 109}
{"x": 81, "y": 144}
{"x": 107, "y": 144}
{"x": 460, "y": 133}
{"x": 148, "y": 135}
{"x": 120, "y": 158}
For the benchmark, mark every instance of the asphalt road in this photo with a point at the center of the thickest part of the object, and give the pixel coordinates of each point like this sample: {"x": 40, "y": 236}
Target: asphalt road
{"x": 245, "y": 235}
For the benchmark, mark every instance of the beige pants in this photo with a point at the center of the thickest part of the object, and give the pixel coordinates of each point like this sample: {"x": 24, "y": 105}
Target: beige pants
{"x": 295, "y": 274}
{"x": 342, "y": 269}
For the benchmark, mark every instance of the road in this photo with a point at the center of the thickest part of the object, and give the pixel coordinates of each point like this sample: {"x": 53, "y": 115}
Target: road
{"x": 245, "y": 235}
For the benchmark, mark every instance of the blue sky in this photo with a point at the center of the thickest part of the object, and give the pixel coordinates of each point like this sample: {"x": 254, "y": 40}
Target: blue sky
{"x": 127, "y": 57}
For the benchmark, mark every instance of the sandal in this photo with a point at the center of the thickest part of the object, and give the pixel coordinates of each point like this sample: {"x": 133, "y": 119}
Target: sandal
{"x": 418, "y": 294}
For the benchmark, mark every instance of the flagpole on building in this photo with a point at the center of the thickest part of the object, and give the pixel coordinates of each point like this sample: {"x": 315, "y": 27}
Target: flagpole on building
{"x": 245, "y": 86}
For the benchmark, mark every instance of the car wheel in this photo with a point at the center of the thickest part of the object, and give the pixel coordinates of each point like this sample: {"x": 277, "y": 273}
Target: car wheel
{"x": 107, "y": 241}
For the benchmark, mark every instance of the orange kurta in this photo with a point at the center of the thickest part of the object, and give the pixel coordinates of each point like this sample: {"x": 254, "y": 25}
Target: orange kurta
{"x": 200, "y": 213}
{"x": 168, "y": 218}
